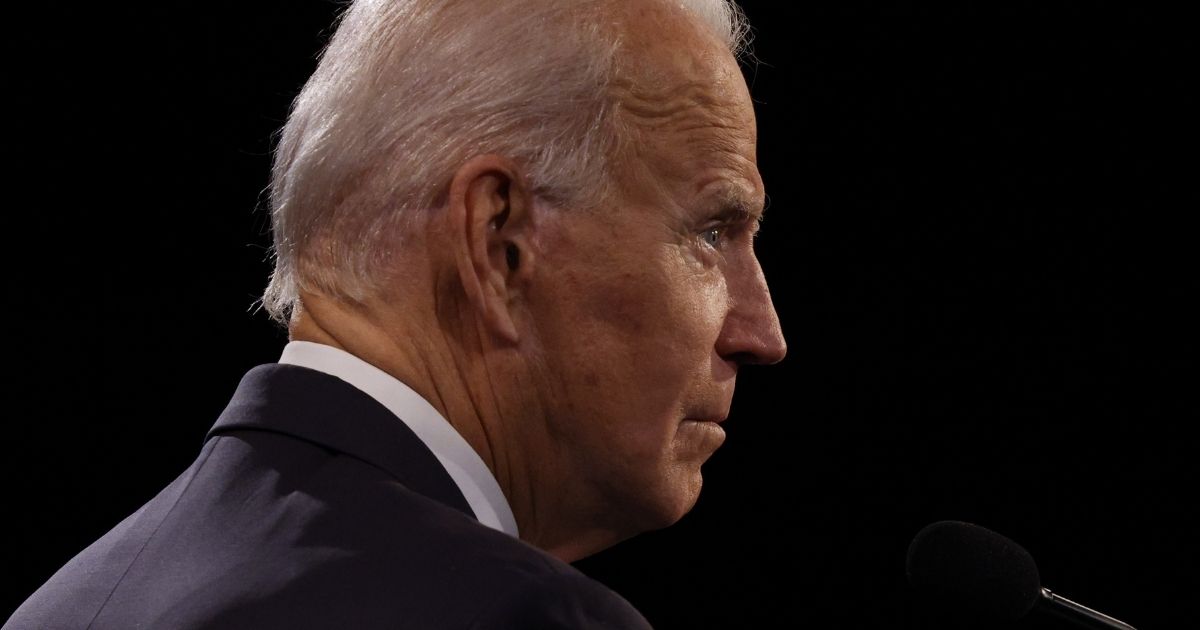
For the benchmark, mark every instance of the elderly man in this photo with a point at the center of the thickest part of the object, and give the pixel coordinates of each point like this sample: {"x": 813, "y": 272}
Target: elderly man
{"x": 514, "y": 252}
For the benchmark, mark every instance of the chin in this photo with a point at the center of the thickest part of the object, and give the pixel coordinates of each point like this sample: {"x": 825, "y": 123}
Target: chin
{"x": 675, "y": 499}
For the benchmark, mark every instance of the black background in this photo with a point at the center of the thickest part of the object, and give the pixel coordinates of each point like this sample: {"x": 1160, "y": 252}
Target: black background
{"x": 978, "y": 242}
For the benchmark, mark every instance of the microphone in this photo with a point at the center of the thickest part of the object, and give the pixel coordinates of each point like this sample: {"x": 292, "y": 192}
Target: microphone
{"x": 986, "y": 573}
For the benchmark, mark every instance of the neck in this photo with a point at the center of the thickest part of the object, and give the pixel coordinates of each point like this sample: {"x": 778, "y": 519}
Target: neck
{"x": 457, "y": 375}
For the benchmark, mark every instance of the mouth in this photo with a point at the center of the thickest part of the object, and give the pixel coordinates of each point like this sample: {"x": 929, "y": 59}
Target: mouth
{"x": 704, "y": 435}
{"x": 715, "y": 414}
{"x": 712, "y": 419}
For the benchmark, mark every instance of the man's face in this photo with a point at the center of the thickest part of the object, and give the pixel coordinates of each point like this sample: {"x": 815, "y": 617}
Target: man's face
{"x": 649, "y": 305}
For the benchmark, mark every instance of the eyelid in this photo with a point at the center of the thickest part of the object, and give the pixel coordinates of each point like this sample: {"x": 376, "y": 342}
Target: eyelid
{"x": 734, "y": 214}
{"x": 741, "y": 223}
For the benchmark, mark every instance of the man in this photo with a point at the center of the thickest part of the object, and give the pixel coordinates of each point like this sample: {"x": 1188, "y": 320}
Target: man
{"x": 514, "y": 252}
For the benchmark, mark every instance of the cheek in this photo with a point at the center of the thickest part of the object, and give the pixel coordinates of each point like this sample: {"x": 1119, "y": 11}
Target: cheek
{"x": 629, "y": 330}
{"x": 655, "y": 328}
{"x": 660, "y": 302}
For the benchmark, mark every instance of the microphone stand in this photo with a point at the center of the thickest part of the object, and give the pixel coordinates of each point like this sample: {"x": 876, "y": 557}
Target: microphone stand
{"x": 1078, "y": 614}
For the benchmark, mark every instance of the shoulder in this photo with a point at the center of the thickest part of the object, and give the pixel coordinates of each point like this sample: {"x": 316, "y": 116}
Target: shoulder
{"x": 352, "y": 546}
{"x": 467, "y": 575}
{"x": 268, "y": 532}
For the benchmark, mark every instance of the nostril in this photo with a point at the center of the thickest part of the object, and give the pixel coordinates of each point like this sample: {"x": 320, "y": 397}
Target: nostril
{"x": 744, "y": 358}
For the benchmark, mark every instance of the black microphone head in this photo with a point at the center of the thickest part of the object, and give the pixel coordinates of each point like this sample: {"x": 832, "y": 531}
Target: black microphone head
{"x": 976, "y": 568}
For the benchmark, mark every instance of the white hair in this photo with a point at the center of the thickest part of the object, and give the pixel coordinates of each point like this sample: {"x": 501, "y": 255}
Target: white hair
{"x": 408, "y": 90}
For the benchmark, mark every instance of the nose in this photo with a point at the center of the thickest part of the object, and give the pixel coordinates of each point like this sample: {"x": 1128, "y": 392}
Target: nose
{"x": 751, "y": 332}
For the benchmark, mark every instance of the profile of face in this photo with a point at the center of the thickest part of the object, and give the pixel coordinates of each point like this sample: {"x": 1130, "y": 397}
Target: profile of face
{"x": 646, "y": 307}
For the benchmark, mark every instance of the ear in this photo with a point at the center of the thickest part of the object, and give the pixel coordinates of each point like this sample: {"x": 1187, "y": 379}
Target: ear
{"x": 489, "y": 213}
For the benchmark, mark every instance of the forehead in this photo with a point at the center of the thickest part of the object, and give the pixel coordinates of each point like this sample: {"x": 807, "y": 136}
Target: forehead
{"x": 684, "y": 107}
{"x": 663, "y": 48}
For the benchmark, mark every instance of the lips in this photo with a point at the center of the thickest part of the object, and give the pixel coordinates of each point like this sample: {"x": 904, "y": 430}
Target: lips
{"x": 714, "y": 413}
{"x": 700, "y": 436}
{"x": 713, "y": 419}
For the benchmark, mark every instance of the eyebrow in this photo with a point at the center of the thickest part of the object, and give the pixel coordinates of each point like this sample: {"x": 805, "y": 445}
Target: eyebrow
{"x": 736, "y": 207}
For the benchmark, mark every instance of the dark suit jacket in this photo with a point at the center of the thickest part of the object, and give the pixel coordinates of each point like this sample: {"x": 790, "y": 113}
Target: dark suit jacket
{"x": 312, "y": 506}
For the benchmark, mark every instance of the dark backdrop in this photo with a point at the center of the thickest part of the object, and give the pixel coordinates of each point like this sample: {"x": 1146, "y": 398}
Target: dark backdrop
{"x": 976, "y": 241}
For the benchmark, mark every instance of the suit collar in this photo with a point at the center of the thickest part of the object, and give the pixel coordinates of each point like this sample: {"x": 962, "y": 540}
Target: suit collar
{"x": 328, "y": 411}
{"x": 464, "y": 465}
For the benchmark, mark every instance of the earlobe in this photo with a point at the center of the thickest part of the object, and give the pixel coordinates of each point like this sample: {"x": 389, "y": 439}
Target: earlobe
{"x": 489, "y": 207}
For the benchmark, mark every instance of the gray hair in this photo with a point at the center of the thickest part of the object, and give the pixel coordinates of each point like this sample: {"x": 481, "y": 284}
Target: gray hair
{"x": 408, "y": 90}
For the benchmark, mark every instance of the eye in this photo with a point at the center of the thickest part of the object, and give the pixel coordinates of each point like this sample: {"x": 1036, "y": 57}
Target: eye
{"x": 712, "y": 236}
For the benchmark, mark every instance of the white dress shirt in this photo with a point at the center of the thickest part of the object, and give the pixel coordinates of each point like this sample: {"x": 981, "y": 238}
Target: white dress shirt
{"x": 461, "y": 461}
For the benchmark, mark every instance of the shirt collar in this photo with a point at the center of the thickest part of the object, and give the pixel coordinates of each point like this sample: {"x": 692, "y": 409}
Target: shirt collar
{"x": 461, "y": 462}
